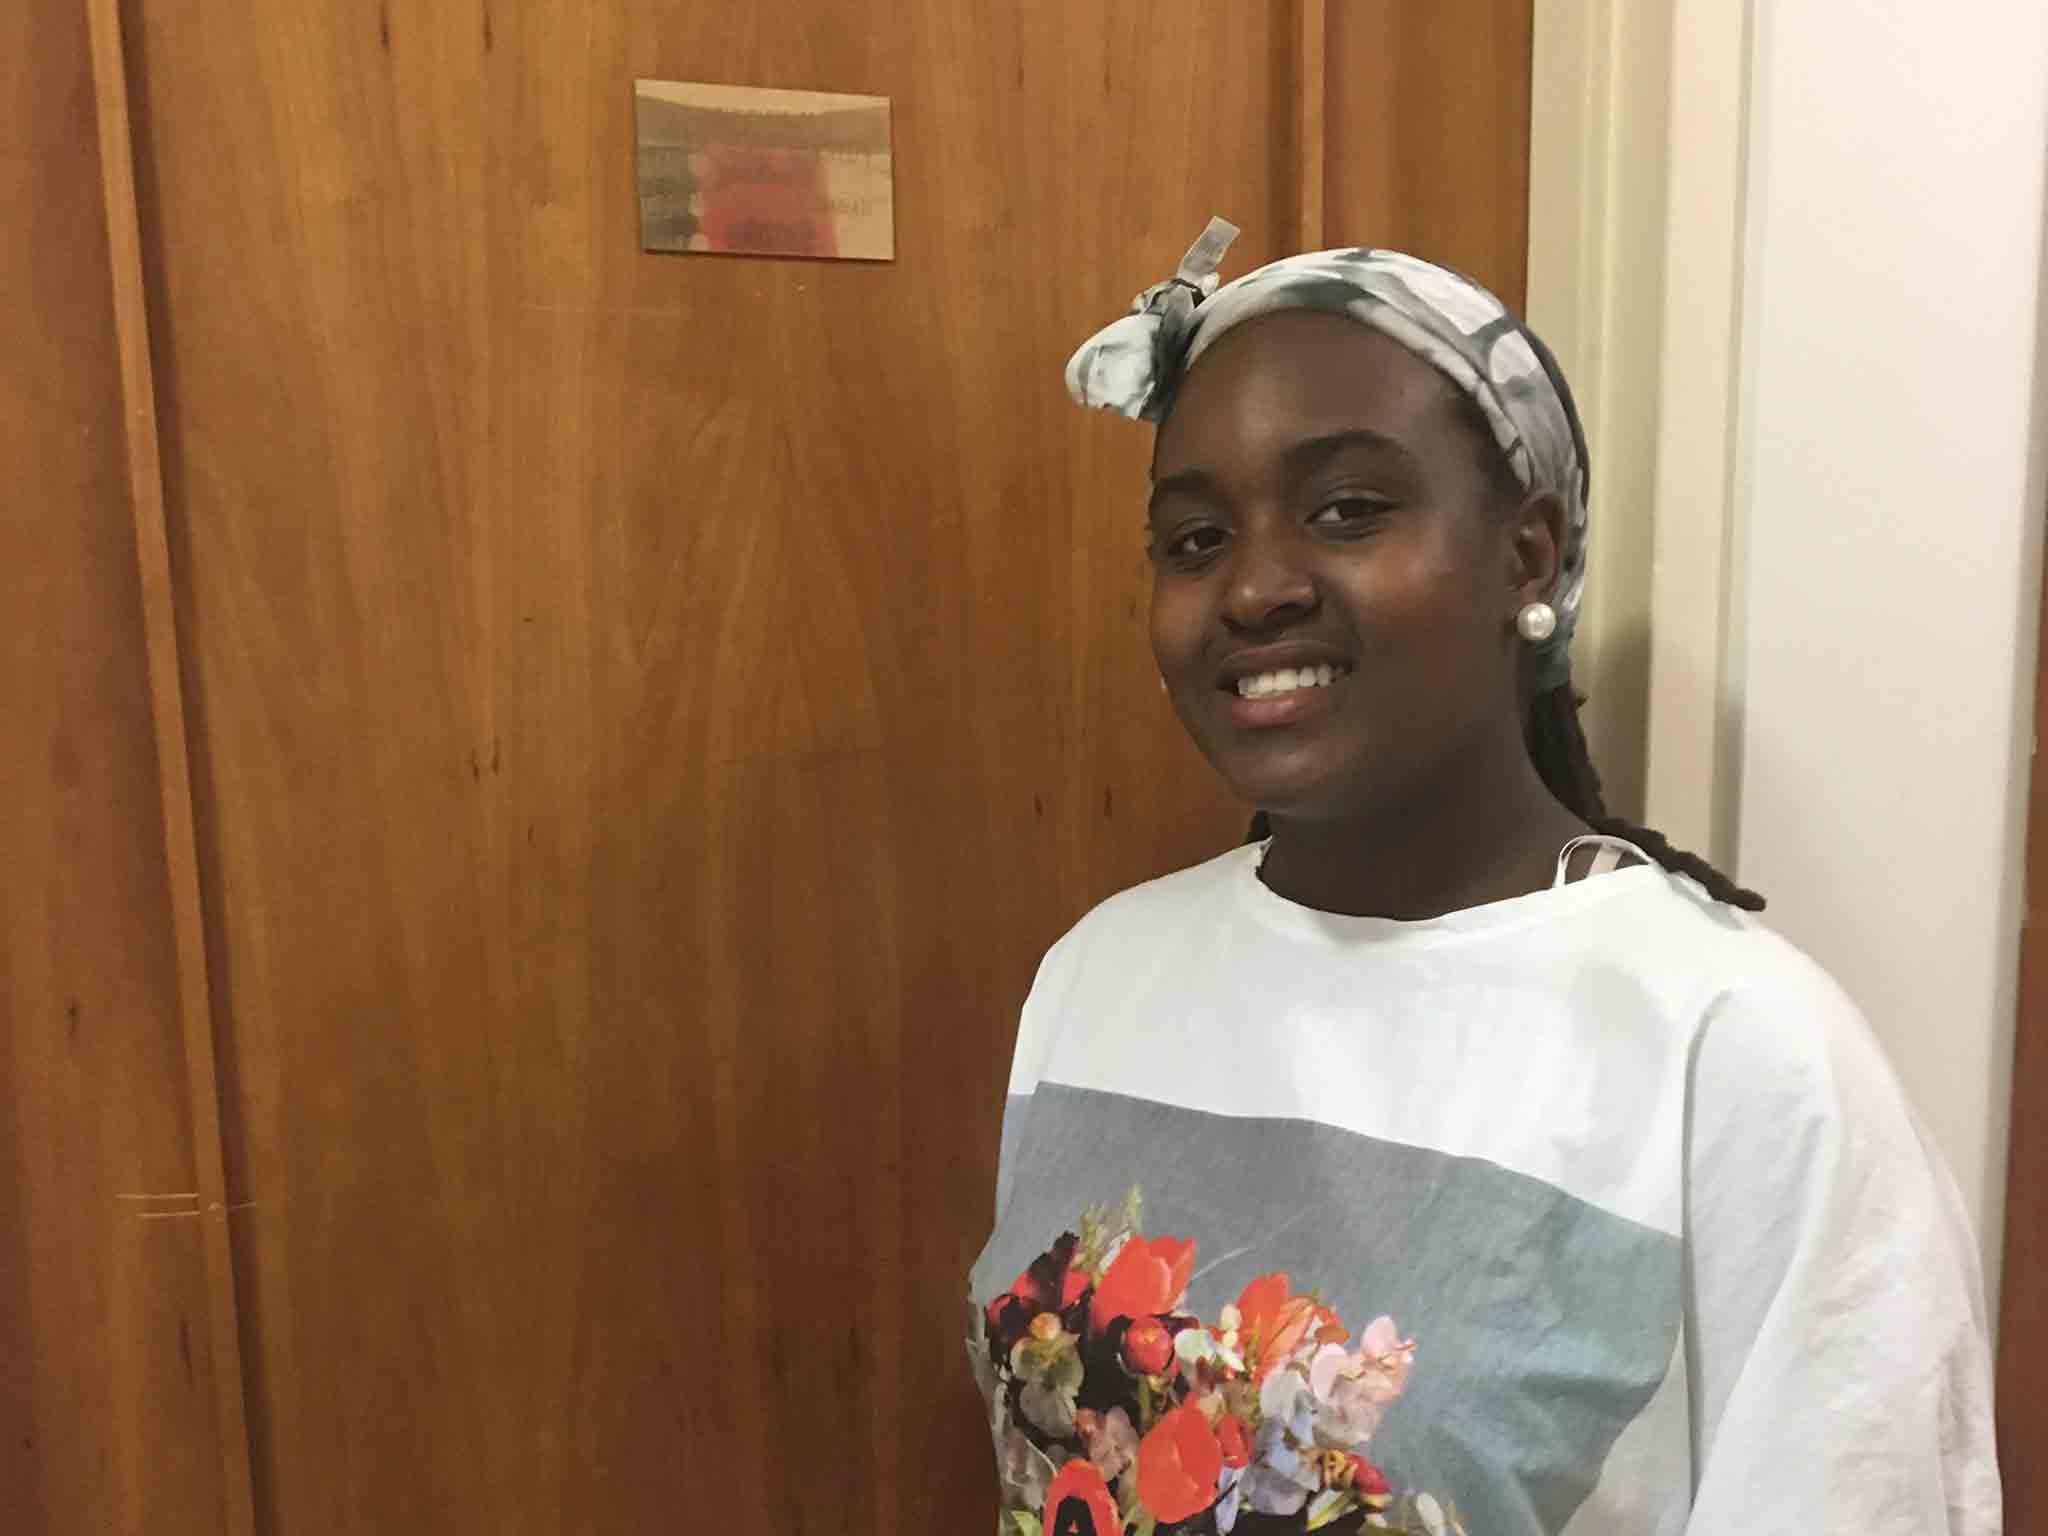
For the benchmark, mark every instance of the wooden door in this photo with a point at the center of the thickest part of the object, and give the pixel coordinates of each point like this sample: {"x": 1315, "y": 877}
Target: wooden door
{"x": 649, "y": 713}
{"x": 109, "y": 1380}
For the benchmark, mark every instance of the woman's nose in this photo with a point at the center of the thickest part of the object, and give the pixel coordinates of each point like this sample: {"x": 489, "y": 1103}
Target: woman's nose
{"x": 1270, "y": 585}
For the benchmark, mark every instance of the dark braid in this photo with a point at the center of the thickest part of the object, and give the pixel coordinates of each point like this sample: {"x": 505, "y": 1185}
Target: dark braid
{"x": 1557, "y": 746}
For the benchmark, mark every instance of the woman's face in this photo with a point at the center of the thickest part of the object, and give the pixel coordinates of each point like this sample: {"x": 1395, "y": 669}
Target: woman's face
{"x": 1335, "y": 580}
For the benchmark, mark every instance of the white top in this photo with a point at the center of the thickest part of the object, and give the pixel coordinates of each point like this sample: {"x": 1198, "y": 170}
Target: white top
{"x": 1629, "y": 1169}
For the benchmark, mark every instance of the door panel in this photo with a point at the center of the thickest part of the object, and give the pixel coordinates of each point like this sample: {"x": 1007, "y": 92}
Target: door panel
{"x": 650, "y": 715}
{"x": 107, "y": 1401}
{"x": 1429, "y": 106}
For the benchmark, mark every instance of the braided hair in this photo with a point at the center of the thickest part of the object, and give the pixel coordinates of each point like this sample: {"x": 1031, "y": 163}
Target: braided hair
{"x": 1557, "y": 747}
{"x": 1550, "y": 725}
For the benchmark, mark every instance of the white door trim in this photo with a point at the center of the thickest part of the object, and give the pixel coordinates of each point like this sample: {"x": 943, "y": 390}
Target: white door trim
{"x": 1636, "y": 279}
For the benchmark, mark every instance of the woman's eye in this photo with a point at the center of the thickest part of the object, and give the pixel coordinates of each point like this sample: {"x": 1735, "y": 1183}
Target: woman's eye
{"x": 1347, "y": 512}
{"x": 1193, "y": 543}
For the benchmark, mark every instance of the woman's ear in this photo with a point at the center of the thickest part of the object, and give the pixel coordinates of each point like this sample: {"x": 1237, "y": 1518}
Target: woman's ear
{"x": 1536, "y": 547}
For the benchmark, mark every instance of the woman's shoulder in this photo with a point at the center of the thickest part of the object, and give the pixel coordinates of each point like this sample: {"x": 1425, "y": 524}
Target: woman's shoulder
{"x": 1166, "y": 903}
{"x": 1768, "y": 1022}
{"x": 1145, "y": 919}
{"x": 1129, "y": 933}
{"x": 1723, "y": 951}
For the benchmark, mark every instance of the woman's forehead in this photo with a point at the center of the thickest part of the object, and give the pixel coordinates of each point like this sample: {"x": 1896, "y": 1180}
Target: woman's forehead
{"x": 1298, "y": 375}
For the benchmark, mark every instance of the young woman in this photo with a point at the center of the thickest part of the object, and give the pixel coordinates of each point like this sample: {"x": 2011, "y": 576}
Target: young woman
{"x": 1454, "y": 1156}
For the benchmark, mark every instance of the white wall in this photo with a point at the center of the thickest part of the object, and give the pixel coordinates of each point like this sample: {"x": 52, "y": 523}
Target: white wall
{"x": 1889, "y": 488}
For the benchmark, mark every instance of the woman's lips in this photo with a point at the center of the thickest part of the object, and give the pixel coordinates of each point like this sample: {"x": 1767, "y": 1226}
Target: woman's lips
{"x": 1285, "y": 696}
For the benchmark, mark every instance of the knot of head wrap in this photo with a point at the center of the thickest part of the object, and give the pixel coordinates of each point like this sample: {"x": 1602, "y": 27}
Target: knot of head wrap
{"x": 1134, "y": 367}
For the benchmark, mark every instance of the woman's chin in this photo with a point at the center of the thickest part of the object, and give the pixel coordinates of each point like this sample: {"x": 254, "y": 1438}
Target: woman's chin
{"x": 1295, "y": 796}
{"x": 1318, "y": 775}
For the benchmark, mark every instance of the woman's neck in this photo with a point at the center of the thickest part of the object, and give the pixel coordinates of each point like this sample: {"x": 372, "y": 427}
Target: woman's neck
{"x": 1482, "y": 831}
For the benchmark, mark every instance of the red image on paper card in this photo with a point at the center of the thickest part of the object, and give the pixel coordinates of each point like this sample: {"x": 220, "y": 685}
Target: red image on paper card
{"x": 762, "y": 199}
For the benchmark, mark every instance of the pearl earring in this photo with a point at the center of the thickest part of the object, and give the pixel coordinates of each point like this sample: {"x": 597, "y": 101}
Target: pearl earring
{"x": 1537, "y": 622}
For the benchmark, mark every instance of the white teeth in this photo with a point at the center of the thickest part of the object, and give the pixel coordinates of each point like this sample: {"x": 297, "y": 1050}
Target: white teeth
{"x": 1287, "y": 680}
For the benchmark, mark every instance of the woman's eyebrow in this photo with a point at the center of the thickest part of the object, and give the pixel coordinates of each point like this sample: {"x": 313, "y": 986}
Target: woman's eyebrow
{"x": 1298, "y": 459}
{"x": 1313, "y": 452}
{"x": 1198, "y": 483}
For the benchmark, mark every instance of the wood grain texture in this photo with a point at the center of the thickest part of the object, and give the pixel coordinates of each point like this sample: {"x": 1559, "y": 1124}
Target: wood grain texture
{"x": 110, "y": 1382}
{"x": 1311, "y": 122}
{"x": 650, "y": 715}
{"x": 2023, "y": 1272}
{"x": 1429, "y": 133}
{"x": 655, "y": 712}
{"x": 174, "y": 778}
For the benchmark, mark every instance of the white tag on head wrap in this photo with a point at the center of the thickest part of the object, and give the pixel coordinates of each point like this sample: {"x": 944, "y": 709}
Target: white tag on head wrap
{"x": 1134, "y": 366}
{"x": 1204, "y": 258}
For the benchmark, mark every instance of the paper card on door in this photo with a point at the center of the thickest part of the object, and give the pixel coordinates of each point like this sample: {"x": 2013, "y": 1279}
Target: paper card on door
{"x": 771, "y": 173}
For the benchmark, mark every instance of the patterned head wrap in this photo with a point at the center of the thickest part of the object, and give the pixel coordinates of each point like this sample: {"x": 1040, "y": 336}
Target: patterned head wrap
{"x": 1134, "y": 366}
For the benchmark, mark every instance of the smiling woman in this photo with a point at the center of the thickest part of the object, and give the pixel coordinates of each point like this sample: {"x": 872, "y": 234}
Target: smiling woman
{"x": 1319, "y": 502}
{"x": 1445, "y": 1042}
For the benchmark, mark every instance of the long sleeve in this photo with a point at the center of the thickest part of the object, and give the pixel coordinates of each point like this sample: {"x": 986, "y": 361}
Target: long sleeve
{"x": 1836, "y": 1351}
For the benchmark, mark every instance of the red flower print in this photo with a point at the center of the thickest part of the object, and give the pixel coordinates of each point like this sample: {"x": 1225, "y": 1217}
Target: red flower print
{"x": 1079, "y": 1504}
{"x": 1235, "y": 1443}
{"x": 1178, "y": 1464}
{"x": 1273, "y": 1323}
{"x": 1051, "y": 1285}
{"x": 1146, "y": 1278}
{"x": 1148, "y": 1347}
{"x": 1367, "y": 1479}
